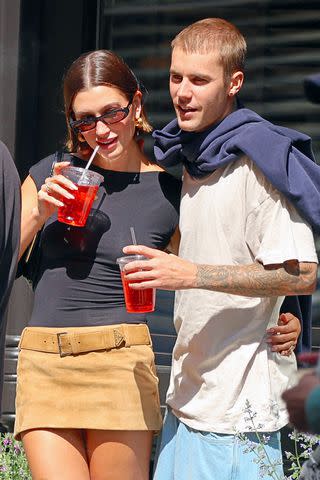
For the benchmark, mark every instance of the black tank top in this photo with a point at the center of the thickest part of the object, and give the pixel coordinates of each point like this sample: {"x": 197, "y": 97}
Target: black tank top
{"x": 78, "y": 282}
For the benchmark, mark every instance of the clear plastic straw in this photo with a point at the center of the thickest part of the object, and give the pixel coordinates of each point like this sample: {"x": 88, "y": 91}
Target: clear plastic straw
{"x": 92, "y": 157}
{"x": 133, "y": 236}
{"x": 89, "y": 162}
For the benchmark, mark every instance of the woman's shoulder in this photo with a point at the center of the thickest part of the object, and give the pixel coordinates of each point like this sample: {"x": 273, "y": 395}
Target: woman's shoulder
{"x": 44, "y": 167}
{"x": 171, "y": 179}
{"x": 41, "y": 170}
{"x": 42, "y": 164}
{"x": 164, "y": 177}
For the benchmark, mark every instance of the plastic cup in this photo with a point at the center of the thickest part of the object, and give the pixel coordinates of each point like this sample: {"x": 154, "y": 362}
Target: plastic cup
{"x": 137, "y": 301}
{"x": 76, "y": 210}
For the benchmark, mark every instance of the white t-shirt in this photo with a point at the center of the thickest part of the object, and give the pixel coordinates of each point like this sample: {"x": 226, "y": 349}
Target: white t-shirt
{"x": 221, "y": 358}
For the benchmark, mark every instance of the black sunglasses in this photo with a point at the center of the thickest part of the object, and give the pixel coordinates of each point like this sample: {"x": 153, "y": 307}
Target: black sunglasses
{"x": 89, "y": 123}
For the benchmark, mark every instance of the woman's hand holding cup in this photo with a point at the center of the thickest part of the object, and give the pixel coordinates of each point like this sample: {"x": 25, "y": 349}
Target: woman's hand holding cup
{"x": 53, "y": 191}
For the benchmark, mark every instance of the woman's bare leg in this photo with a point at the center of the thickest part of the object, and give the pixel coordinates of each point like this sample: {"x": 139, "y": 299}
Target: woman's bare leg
{"x": 119, "y": 455}
{"x": 56, "y": 454}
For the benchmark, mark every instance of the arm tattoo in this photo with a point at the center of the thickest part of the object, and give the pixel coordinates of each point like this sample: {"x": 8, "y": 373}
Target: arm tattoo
{"x": 255, "y": 280}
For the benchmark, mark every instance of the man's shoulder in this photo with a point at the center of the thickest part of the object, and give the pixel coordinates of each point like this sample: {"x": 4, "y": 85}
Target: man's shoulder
{"x": 251, "y": 171}
{"x": 243, "y": 166}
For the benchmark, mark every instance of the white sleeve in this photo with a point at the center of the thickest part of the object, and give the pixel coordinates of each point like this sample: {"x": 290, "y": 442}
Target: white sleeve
{"x": 275, "y": 232}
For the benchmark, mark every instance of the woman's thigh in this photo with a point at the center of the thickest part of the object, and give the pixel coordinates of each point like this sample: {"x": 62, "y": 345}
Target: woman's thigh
{"x": 119, "y": 455}
{"x": 56, "y": 454}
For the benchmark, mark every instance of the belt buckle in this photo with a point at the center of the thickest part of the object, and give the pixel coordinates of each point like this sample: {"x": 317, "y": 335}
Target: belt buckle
{"x": 119, "y": 338}
{"x": 61, "y": 353}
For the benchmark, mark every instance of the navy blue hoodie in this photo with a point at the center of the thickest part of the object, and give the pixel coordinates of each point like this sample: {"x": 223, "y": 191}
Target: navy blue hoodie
{"x": 283, "y": 155}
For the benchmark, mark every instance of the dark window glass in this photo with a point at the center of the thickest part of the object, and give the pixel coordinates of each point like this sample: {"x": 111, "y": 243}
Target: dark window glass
{"x": 283, "y": 39}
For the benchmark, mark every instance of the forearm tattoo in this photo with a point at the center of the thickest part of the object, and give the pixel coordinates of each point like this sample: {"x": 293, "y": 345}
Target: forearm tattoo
{"x": 255, "y": 280}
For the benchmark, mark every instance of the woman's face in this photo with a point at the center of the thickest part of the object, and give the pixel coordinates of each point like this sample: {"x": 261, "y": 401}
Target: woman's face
{"x": 114, "y": 139}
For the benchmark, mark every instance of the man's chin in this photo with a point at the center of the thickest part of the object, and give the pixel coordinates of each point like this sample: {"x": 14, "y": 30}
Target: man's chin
{"x": 192, "y": 125}
{"x": 186, "y": 126}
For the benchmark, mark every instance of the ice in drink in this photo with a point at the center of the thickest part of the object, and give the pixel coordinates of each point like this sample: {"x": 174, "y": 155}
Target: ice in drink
{"x": 76, "y": 210}
{"x": 141, "y": 301}
{"x": 137, "y": 301}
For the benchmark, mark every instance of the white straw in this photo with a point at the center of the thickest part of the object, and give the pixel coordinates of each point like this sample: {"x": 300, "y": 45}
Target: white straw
{"x": 133, "y": 236}
{"x": 88, "y": 164}
{"x": 92, "y": 157}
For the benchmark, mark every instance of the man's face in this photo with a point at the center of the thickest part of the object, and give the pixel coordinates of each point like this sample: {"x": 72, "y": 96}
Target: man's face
{"x": 198, "y": 91}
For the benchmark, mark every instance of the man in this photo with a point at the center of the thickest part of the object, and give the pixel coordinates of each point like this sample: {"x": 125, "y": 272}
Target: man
{"x": 243, "y": 248}
{"x": 9, "y": 237}
{"x": 303, "y": 403}
{"x": 303, "y": 400}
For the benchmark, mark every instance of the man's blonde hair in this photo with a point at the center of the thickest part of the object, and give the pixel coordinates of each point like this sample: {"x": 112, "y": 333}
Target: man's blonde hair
{"x": 214, "y": 34}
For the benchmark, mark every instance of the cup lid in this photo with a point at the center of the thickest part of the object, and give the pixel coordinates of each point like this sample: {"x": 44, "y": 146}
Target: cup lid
{"x": 130, "y": 258}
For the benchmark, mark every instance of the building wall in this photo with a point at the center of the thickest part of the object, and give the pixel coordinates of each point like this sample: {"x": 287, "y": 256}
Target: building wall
{"x": 9, "y": 43}
{"x": 38, "y": 40}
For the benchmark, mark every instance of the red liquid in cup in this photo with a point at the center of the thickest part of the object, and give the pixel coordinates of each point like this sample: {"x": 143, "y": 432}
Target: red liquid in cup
{"x": 138, "y": 301}
{"x": 75, "y": 211}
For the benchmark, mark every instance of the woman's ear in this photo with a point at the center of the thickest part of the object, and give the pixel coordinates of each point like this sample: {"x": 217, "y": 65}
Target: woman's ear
{"x": 236, "y": 82}
{"x": 137, "y": 104}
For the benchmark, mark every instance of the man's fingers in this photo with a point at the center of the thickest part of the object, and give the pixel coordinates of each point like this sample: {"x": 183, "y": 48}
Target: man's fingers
{"x": 142, "y": 250}
{"x": 137, "y": 270}
{"x": 142, "y": 285}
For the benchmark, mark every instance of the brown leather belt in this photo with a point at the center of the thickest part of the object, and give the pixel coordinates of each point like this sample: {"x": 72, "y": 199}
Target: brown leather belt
{"x": 75, "y": 342}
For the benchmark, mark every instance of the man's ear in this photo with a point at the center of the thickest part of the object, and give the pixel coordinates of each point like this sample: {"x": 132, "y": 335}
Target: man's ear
{"x": 236, "y": 82}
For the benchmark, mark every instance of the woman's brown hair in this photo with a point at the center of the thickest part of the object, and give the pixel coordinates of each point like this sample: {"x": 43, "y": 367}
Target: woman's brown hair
{"x": 92, "y": 69}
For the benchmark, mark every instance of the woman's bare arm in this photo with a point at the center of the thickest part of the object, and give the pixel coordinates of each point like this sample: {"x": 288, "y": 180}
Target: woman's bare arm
{"x": 38, "y": 206}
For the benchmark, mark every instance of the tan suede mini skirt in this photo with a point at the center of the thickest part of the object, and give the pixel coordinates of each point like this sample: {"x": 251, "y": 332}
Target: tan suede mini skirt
{"x": 89, "y": 378}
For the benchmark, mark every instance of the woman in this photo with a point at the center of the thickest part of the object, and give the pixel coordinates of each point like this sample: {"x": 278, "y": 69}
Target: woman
{"x": 93, "y": 414}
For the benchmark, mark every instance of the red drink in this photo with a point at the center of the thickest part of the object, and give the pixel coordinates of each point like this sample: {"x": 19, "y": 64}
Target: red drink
{"x": 138, "y": 301}
{"x": 75, "y": 211}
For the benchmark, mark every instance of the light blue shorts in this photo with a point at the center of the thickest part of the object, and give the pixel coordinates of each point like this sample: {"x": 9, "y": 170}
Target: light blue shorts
{"x": 187, "y": 454}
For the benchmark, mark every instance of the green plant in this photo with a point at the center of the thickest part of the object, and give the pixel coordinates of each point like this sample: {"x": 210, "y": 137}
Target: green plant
{"x": 13, "y": 462}
{"x": 303, "y": 445}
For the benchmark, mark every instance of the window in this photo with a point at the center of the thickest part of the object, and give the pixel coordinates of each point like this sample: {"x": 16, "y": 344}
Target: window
{"x": 283, "y": 39}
